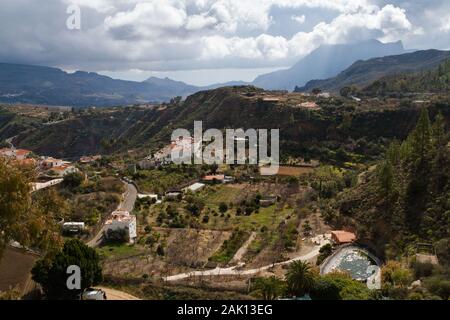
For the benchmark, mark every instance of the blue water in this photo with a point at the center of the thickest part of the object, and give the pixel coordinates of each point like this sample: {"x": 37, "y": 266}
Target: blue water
{"x": 355, "y": 263}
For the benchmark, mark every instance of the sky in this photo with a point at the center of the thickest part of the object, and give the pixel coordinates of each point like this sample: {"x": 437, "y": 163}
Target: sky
{"x": 205, "y": 41}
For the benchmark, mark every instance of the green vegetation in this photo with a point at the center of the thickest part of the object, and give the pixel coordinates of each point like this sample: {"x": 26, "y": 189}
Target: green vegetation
{"x": 299, "y": 278}
{"x": 325, "y": 252}
{"x": 230, "y": 246}
{"x": 268, "y": 288}
{"x": 436, "y": 80}
{"x": 30, "y": 220}
{"x": 51, "y": 272}
{"x": 302, "y": 280}
{"x": 117, "y": 250}
{"x": 405, "y": 200}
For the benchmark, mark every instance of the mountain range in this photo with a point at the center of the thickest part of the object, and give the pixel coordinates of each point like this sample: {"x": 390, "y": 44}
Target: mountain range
{"x": 363, "y": 73}
{"x": 325, "y": 62}
{"x": 52, "y": 86}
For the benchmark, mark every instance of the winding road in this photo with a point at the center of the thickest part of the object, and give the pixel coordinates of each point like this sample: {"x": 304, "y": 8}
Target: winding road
{"x": 127, "y": 204}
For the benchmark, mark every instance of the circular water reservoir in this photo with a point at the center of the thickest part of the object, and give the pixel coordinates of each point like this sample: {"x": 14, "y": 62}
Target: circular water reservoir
{"x": 353, "y": 260}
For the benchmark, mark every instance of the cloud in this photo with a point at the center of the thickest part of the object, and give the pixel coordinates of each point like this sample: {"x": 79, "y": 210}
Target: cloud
{"x": 299, "y": 19}
{"x": 190, "y": 34}
{"x": 445, "y": 24}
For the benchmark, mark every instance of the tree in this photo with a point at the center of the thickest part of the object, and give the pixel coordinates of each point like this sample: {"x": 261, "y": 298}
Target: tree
{"x": 213, "y": 168}
{"x": 339, "y": 286}
{"x": 325, "y": 251}
{"x": 325, "y": 289}
{"x": 73, "y": 180}
{"x": 51, "y": 272}
{"x": 223, "y": 207}
{"x": 22, "y": 218}
{"x": 268, "y": 288}
{"x": 300, "y": 278}
{"x": 345, "y": 92}
{"x": 160, "y": 250}
{"x": 420, "y": 138}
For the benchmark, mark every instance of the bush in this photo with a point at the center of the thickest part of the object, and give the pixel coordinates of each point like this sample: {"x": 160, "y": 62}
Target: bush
{"x": 160, "y": 250}
{"x": 422, "y": 270}
{"x": 325, "y": 252}
{"x": 117, "y": 236}
{"x": 223, "y": 207}
{"x": 325, "y": 289}
{"x": 439, "y": 285}
{"x": 73, "y": 180}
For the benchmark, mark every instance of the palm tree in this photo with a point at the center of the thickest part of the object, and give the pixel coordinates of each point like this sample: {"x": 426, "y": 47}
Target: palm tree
{"x": 268, "y": 288}
{"x": 300, "y": 278}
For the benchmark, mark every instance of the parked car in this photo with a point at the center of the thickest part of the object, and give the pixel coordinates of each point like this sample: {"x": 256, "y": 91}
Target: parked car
{"x": 93, "y": 294}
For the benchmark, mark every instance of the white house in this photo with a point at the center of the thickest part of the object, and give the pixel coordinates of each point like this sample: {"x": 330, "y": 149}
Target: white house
{"x": 178, "y": 148}
{"x": 122, "y": 220}
{"x": 63, "y": 170}
{"x": 49, "y": 162}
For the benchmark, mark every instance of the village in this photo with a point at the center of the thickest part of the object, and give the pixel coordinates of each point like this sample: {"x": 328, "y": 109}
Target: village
{"x": 130, "y": 230}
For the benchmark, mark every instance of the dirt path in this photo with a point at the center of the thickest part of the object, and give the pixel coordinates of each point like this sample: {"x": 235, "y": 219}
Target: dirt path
{"x": 113, "y": 294}
{"x": 243, "y": 250}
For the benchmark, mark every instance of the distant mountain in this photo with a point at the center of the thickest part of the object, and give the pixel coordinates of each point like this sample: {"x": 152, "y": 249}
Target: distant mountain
{"x": 363, "y": 73}
{"x": 52, "y": 86}
{"x": 326, "y": 61}
{"x": 435, "y": 80}
{"x": 171, "y": 88}
{"x": 226, "y": 84}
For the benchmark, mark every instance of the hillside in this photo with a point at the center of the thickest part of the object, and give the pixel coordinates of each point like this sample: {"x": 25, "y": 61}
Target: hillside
{"x": 317, "y": 134}
{"x": 51, "y": 86}
{"x": 362, "y": 73}
{"x": 326, "y": 61}
{"x": 404, "y": 201}
{"x": 433, "y": 81}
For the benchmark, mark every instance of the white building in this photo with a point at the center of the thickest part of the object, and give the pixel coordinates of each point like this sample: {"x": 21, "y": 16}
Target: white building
{"x": 63, "y": 170}
{"x": 194, "y": 187}
{"x": 178, "y": 148}
{"x": 73, "y": 226}
{"x": 122, "y": 220}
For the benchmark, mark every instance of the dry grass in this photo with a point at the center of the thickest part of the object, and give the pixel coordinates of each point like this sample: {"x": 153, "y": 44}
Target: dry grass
{"x": 15, "y": 267}
{"x": 293, "y": 171}
{"x": 185, "y": 249}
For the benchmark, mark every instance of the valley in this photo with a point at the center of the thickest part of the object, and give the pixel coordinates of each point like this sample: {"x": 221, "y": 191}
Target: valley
{"x": 222, "y": 238}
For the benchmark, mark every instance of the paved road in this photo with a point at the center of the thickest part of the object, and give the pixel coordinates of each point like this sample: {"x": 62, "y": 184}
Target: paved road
{"x": 129, "y": 198}
{"x": 232, "y": 270}
{"x": 126, "y": 204}
{"x": 36, "y": 186}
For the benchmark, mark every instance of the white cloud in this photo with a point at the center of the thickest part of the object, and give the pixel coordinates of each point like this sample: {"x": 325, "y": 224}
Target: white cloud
{"x": 299, "y": 19}
{"x": 184, "y": 34}
{"x": 445, "y": 24}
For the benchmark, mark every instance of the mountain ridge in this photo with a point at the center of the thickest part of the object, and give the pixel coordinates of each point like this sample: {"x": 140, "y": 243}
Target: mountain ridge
{"x": 363, "y": 72}
{"x": 326, "y": 61}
